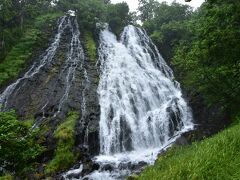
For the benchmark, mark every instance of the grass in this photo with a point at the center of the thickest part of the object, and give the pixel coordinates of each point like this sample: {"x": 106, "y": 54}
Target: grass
{"x": 64, "y": 156}
{"x": 90, "y": 46}
{"x": 16, "y": 59}
{"x": 217, "y": 157}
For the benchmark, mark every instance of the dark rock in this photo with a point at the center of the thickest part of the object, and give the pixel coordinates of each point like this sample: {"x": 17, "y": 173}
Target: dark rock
{"x": 40, "y": 96}
{"x": 181, "y": 141}
{"x": 208, "y": 120}
{"x": 138, "y": 166}
{"x": 95, "y": 167}
{"x": 107, "y": 167}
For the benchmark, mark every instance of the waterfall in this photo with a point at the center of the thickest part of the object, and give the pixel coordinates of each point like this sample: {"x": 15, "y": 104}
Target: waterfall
{"x": 35, "y": 68}
{"x": 66, "y": 76}
{"x": 141, "y": 104}
{"x": 142, "y": 108}
{"x": 74, "y": 61}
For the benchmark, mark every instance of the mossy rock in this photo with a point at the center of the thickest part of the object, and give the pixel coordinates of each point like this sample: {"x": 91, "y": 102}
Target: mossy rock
{"x": 91, "y": 47}
{"x": 64, "y": 156}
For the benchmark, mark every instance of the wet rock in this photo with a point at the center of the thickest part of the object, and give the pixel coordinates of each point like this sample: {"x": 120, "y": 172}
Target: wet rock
{"x": 107, "y": 167}
{"x": 40, "y": 96}
{"x": 95, "y": 166}
{"x": 181, "y": 141}
{"x": 138, "y": 166}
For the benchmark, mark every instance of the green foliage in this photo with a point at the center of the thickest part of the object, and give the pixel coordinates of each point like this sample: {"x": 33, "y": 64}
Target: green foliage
{"x": 64, "y": 156}
{"x": 97, "y": 11}
{"x": 18, "y": 149}
{"x": 146, "y": 9}
{"x": 210, "y": 60}
{"x": 214, "y": 158}
{"x": 90, "y": 46}
{"x": 15, "y": 16}
{"x": 22, "y": 51}
{"x": 118, "y": 16}
{"x": 88, "y": 12}
{"x": 166, "y": 24}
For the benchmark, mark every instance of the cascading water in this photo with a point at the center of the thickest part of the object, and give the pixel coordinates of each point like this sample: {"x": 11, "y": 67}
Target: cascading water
{"x": 46, "y": 59}
{"x": 142, "y": 109}
{"x": 66, "y": 71}
{"x": 74, "y": 60}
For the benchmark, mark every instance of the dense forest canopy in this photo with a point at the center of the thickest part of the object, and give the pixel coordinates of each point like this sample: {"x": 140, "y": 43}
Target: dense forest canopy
{"x": 203, "y": 46}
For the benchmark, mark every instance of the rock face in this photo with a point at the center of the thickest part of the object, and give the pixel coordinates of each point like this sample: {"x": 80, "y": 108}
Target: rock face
{"x": 208, "y": 119}
{"x": 60, "y": 79}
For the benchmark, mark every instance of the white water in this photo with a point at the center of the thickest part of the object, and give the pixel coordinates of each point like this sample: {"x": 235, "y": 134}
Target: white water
{"x": 74, "y": 61}
{"x": 137, "y": 93}
{"x": 142, "y": 108}
{"x": 35, "y": 68}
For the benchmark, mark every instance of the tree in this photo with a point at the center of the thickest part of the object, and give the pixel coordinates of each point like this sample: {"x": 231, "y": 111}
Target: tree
{"x": 167, "y": 26}
{"x": 14, "y": 15}
{"x": 210, "y": 61}
{"x": 118, "y": 16}
{"x": 147, "y": 9}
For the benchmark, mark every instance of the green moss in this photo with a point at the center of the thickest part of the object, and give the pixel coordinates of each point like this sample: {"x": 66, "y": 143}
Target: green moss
{"x": 91, "y": 46}
{"x": 64, "y": 156}
{"x": 214, "y": 158}
{"x": 16, "y": 59}
{"x": 6, "y": 177}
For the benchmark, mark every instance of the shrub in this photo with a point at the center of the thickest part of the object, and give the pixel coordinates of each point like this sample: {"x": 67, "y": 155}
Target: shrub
{"x": 18, "y": 149}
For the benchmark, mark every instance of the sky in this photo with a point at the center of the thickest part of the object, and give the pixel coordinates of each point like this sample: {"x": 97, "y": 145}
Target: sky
{"x": 133, "y": 4}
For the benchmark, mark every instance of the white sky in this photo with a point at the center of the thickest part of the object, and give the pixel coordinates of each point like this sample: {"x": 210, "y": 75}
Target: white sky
{"x": 133, "y": 4}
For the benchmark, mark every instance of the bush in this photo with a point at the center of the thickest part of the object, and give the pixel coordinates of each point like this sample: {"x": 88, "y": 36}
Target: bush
{"x": 18, "y": 147}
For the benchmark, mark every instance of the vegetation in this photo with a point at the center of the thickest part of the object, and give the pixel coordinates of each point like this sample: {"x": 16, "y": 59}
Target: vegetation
{"x": 91, "y": 47}
{"x": 214, "y": 158}
{"x": 17, "y": 58}
{"x": 88, "y": 12}
{"x": 22, "y": 25}
{"x": 64, "y": 156}
{"x": 202, "y": 45}
{"x": 23, "y": 28}
{"x": 166, "y": 24}
{"x": 6, "y": 177}
{"x": 97, "y": 11}
{"x": 118, "y": 16}
{"x": 15, "y": 16}
{"x": 210, "y": 59}
{"x": 18, "y": 147}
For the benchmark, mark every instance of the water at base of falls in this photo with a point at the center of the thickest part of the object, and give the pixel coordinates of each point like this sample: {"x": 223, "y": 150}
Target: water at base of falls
{"x": 142, "y": 108}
